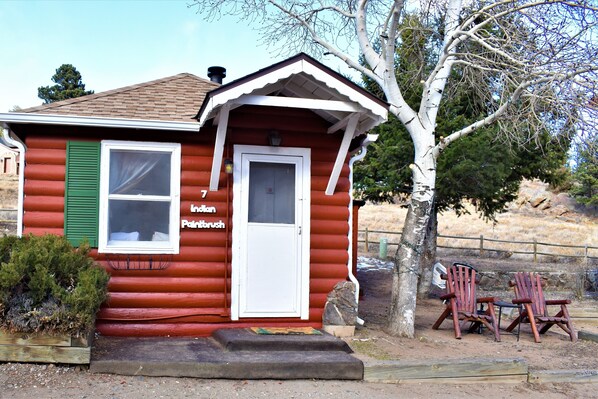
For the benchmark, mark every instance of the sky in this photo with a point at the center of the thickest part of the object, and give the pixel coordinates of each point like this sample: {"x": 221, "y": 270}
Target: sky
{"x": 117, "y": 43}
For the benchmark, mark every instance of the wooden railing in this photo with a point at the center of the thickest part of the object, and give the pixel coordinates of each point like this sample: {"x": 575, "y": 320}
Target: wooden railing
{"x": 482, "y": 244}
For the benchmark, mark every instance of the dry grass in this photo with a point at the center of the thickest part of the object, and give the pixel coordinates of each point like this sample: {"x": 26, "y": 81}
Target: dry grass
{"x": 8, "y": 191}
{"x": 515, "y": 225}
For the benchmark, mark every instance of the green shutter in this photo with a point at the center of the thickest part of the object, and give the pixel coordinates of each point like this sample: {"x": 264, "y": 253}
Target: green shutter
{"x": 81, "y": 204}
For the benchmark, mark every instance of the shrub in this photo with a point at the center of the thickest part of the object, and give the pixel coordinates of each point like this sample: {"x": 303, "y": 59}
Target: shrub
{"x": 48, "y": 286}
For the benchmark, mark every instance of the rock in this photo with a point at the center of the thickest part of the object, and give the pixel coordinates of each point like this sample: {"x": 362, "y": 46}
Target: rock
{"x": 537, "y": 200}
{"x": 564, "y": 200}
{"x": 544, "y": 205}
{"x": 341, "y": 306}
{"x": 559, "y": 210}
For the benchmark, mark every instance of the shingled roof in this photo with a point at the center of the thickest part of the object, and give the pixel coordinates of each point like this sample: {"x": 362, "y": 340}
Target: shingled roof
{"x": 175, "y": 98}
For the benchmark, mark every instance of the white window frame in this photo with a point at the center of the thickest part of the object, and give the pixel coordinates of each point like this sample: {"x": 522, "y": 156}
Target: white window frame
{"x": 140, "y": 247}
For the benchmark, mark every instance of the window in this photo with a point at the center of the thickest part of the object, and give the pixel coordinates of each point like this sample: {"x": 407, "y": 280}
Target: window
{"x": 139, "y": 197}
{"x": 271, "y": 193}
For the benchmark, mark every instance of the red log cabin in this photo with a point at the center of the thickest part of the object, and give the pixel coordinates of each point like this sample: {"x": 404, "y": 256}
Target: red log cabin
{"x": 211, "y": 205}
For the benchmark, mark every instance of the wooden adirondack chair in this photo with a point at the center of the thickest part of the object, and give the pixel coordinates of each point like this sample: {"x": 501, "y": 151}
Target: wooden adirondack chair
{"x": 529, "y": 294}
{"x": 462, "y": 304}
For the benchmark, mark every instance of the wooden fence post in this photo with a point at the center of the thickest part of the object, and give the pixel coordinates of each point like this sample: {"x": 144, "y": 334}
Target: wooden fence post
{"x": 586, "y": 256}
{"x": 535, "y": 251}
{"x": 367, "y": 241}
{"x": 481, "y": 245}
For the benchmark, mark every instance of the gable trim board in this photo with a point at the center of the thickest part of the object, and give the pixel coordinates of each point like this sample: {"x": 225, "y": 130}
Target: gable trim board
{"x": 301, "y": 63}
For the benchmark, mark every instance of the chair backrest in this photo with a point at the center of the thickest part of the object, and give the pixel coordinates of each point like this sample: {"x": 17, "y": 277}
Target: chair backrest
{"x": 462, "y": 281}
{"x": 528, "y": 285}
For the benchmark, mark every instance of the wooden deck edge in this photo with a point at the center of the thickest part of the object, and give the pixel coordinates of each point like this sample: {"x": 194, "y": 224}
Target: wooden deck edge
{"x": 570, "y": 376}
{"x": 497, "y": 379}
{"x": 448, "y": 371}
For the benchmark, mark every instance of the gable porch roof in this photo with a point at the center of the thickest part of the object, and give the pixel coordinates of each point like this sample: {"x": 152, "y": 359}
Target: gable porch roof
{"x": 298, "y": 82}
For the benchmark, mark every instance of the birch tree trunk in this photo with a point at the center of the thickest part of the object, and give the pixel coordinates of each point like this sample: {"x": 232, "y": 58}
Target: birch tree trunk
{"x": 401, "y": 320}
{"x": 428, "y": 258}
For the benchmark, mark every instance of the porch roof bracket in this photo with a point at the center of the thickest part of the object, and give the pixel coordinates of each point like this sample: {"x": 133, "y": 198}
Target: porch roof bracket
{"x": 219, "y": 146}
{"x": 342, "y": 153}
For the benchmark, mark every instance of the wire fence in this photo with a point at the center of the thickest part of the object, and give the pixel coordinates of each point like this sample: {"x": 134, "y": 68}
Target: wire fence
{"x": 482, "y": 246}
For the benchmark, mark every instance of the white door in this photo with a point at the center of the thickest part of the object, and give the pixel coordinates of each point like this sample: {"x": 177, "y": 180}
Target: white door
{"x": 271, "y": 230}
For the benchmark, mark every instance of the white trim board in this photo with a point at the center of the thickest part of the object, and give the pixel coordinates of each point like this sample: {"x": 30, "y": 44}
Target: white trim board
{"x": 70, "y": 120}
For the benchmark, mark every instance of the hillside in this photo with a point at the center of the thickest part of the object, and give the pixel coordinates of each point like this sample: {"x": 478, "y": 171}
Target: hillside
{"x": 537, "y": 214}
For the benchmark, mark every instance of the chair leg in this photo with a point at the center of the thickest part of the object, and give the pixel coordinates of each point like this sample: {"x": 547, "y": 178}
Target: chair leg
{"x": 455, "y": 319}
{"x": 443, "y": 316}
{"x": 572, "y": 332}
{"x": 545, "y": 327}
{"x": 532, "y": 322}
{"x": 518, "y": 319}
{"x": 495, "y": 325}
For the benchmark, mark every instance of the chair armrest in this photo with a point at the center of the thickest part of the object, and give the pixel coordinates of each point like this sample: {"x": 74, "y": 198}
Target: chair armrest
{"x": 558, "y": 301}
{"x": 521, "y": 300}
{"x": 447, "y": 296}
{"x": 488, "y": 299}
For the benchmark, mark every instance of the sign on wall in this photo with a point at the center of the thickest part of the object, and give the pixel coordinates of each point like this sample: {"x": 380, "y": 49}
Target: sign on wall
{"x": 202, "y": 224}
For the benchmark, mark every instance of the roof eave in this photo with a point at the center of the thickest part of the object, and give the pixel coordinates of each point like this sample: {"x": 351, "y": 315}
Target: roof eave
{"x": 88, "y": 121}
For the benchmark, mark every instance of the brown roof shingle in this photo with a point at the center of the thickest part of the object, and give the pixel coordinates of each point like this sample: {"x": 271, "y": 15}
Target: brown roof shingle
{"x": 175, "y": 98}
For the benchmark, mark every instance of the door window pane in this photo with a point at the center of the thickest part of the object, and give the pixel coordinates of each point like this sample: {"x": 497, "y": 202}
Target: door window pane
{"x": 271, "y": 193}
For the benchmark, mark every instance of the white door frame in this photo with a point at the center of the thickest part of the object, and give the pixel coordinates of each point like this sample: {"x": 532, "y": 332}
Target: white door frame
{"x": 303, "y": 221}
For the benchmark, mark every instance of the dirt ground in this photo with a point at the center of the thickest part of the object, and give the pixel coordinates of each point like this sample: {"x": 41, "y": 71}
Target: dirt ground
{"x": 24, "y": 381}
{"x": 555, "y": 352}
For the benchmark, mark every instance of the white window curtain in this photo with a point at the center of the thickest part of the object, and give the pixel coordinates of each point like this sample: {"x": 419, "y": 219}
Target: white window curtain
{"x": 128, "y": 169}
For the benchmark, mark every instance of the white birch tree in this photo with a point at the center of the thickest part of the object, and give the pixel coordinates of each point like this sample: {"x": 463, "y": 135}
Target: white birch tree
{"x": 538, "y": 55}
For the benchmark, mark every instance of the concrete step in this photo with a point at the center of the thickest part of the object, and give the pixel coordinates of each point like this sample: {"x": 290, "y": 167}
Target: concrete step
{"x": 205, "y": 358}
{"x": 241, "y": 339}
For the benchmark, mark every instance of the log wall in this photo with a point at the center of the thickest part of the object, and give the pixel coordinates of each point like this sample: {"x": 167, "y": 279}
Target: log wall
{"x": 191, "y": 296}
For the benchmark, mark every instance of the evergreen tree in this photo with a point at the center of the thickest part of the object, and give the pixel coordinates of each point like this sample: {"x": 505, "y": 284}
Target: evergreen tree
{"x": 484, "y": 169}
{"x": 68, "y": 85}
{"x": 585, "y": 176}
